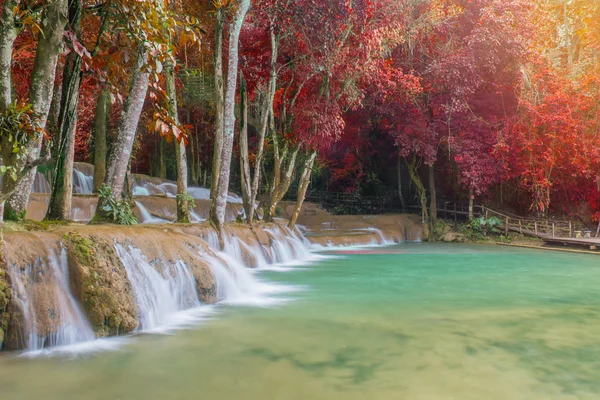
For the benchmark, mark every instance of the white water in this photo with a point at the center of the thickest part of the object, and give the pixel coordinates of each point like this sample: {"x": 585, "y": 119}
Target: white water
{"x": 236, "y": 284}
{"x": 147, "y": 218}
{"x": 160, "y": 296}
{"x": 166, "y": 293}
{"x": 53, "y": 272}
{"x": 40, "y": 184}
{"x": 82, "y": 183}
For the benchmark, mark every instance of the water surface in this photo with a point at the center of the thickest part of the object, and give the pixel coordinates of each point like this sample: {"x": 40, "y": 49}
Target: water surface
{"x": 417, "y": 321}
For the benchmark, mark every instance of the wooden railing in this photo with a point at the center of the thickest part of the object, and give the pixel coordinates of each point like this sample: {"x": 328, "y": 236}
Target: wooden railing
{"x": 352, "y": 203}
{"x": 536, "y": 227}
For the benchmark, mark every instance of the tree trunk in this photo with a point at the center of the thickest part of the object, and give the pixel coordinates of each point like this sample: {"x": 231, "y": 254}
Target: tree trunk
{"x": 413, "y": 169}
{"x": 433, "y": 193}
{"x": 283, "y": 185}
{"x": 400, "y": 194}
{"x": 244, "y": 159}
{"x": 162, "y": 158}
{"x": 48, "y": 50}
{"x": 219, "y": 202}
{"x": 62, "y": 178}
{"x": 303, "y": 186}
{"x": 267, "y": 111}
{"x": 183, "y": 213}
{"x": 127, "y": 128}
{"x": 100, "y": 131}
{"x": 219, "y": 101}
{"x": 8, "y": 34}
{"x": 471, "y": 201}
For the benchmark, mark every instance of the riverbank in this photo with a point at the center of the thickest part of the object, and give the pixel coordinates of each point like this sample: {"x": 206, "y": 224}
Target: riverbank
{"x": 65, "y": 284}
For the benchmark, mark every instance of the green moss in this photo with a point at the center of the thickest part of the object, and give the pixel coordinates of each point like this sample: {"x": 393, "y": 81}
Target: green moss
{"x": 12, "y": 215}
{"x": 84, "y": 248}
{"x": 42, "y": 225}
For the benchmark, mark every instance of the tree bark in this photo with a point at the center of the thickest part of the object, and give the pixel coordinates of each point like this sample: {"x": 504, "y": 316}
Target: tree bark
{"x": 283, "y": 184}
{"x": 303, "y": 186}
{"x": 219, "y": 202}
{"x": 268, "y": 109}
{"x": 127, "y": 128}
{"x": 59, "y": 207}
{"x": 433, "y": 193}
{"x": 100, "y": 129}
{"x": 244, "y": 158}
{"x": 162, "y": 158}
{"x": 219, "y": 101}
{"x": 471, "y": 201}
{"x": 183, "y": 213}
{"x": 400, "y": 194}
{"x": 8, "y": 34}
{"x": 48, "y": 50}
{"x": 413, "y": 169}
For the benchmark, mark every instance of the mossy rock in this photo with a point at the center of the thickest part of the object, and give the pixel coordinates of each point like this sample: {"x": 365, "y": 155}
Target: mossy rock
{"x": 101, "y": 284}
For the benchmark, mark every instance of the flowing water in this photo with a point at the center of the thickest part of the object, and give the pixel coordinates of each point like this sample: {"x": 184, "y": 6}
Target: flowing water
{"x": 53, "y": 317}
{"x": 411, "y": 321}
{"x": 160, "y": 293}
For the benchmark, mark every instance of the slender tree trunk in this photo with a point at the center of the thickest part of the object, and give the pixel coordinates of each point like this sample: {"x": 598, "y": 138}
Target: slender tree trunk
{"x": 471, "y": 201}
{"x": 162, "y": 158}
{"x": 303, "y": 186}
{"x": 413, "y": 168}
{"x": 268, "y": 110}
{"x": 219, "y": 101}
{"x": 127, "y": 128}
{"x": 433, "y": 193}
{"x": 40, "y": 95}
{"x": 100, "y": 132}
{"x": 244, "y": 159}
{"x": 183, "y": 213}
{"x": 62, "y": 178}
{"x": 219, "y": 202}
{"x": 283, "y": 185}
{"x": 400, "y": 194}
{"x": 8, "y": 34}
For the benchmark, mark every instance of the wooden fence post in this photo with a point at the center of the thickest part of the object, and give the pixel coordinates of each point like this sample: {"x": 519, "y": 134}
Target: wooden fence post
{"x": 506, "y": 228}
{"x": 455, "y": 213}
{"x": 570, "y": 229}
{"x": 520, "y": 227}
{"x": 535, "y": 226}
{"x": 553, "y": 229}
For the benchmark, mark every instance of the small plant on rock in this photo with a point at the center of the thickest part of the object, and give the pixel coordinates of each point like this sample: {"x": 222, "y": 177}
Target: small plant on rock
{"x": 118, "y": 210}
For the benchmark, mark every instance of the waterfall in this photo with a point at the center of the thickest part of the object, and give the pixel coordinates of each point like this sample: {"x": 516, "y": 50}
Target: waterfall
{"x": 287, "y": 246}
{"x": 51, "y": 315}
{"x": 382, "y": 240}
{"x": 40, "y": 184}
{"x": 236, "y": 284}
{"x": 159, "y": 295}
{"x": 82, "y": 183}
{"x": 147, "y": 218}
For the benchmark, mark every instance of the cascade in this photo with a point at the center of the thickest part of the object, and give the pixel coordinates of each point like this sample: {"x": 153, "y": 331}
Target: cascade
{"x": 159, "y": 295}
{"x": 382, "y": 240}
{"x": 40, "y": 184}
{"x": 51, "y": 315}
{"x": 82, "y": 183}
{"x": 147, "y": 218}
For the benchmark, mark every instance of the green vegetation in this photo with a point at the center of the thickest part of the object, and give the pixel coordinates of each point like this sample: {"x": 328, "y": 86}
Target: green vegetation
{"x": 119, "y": 211}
